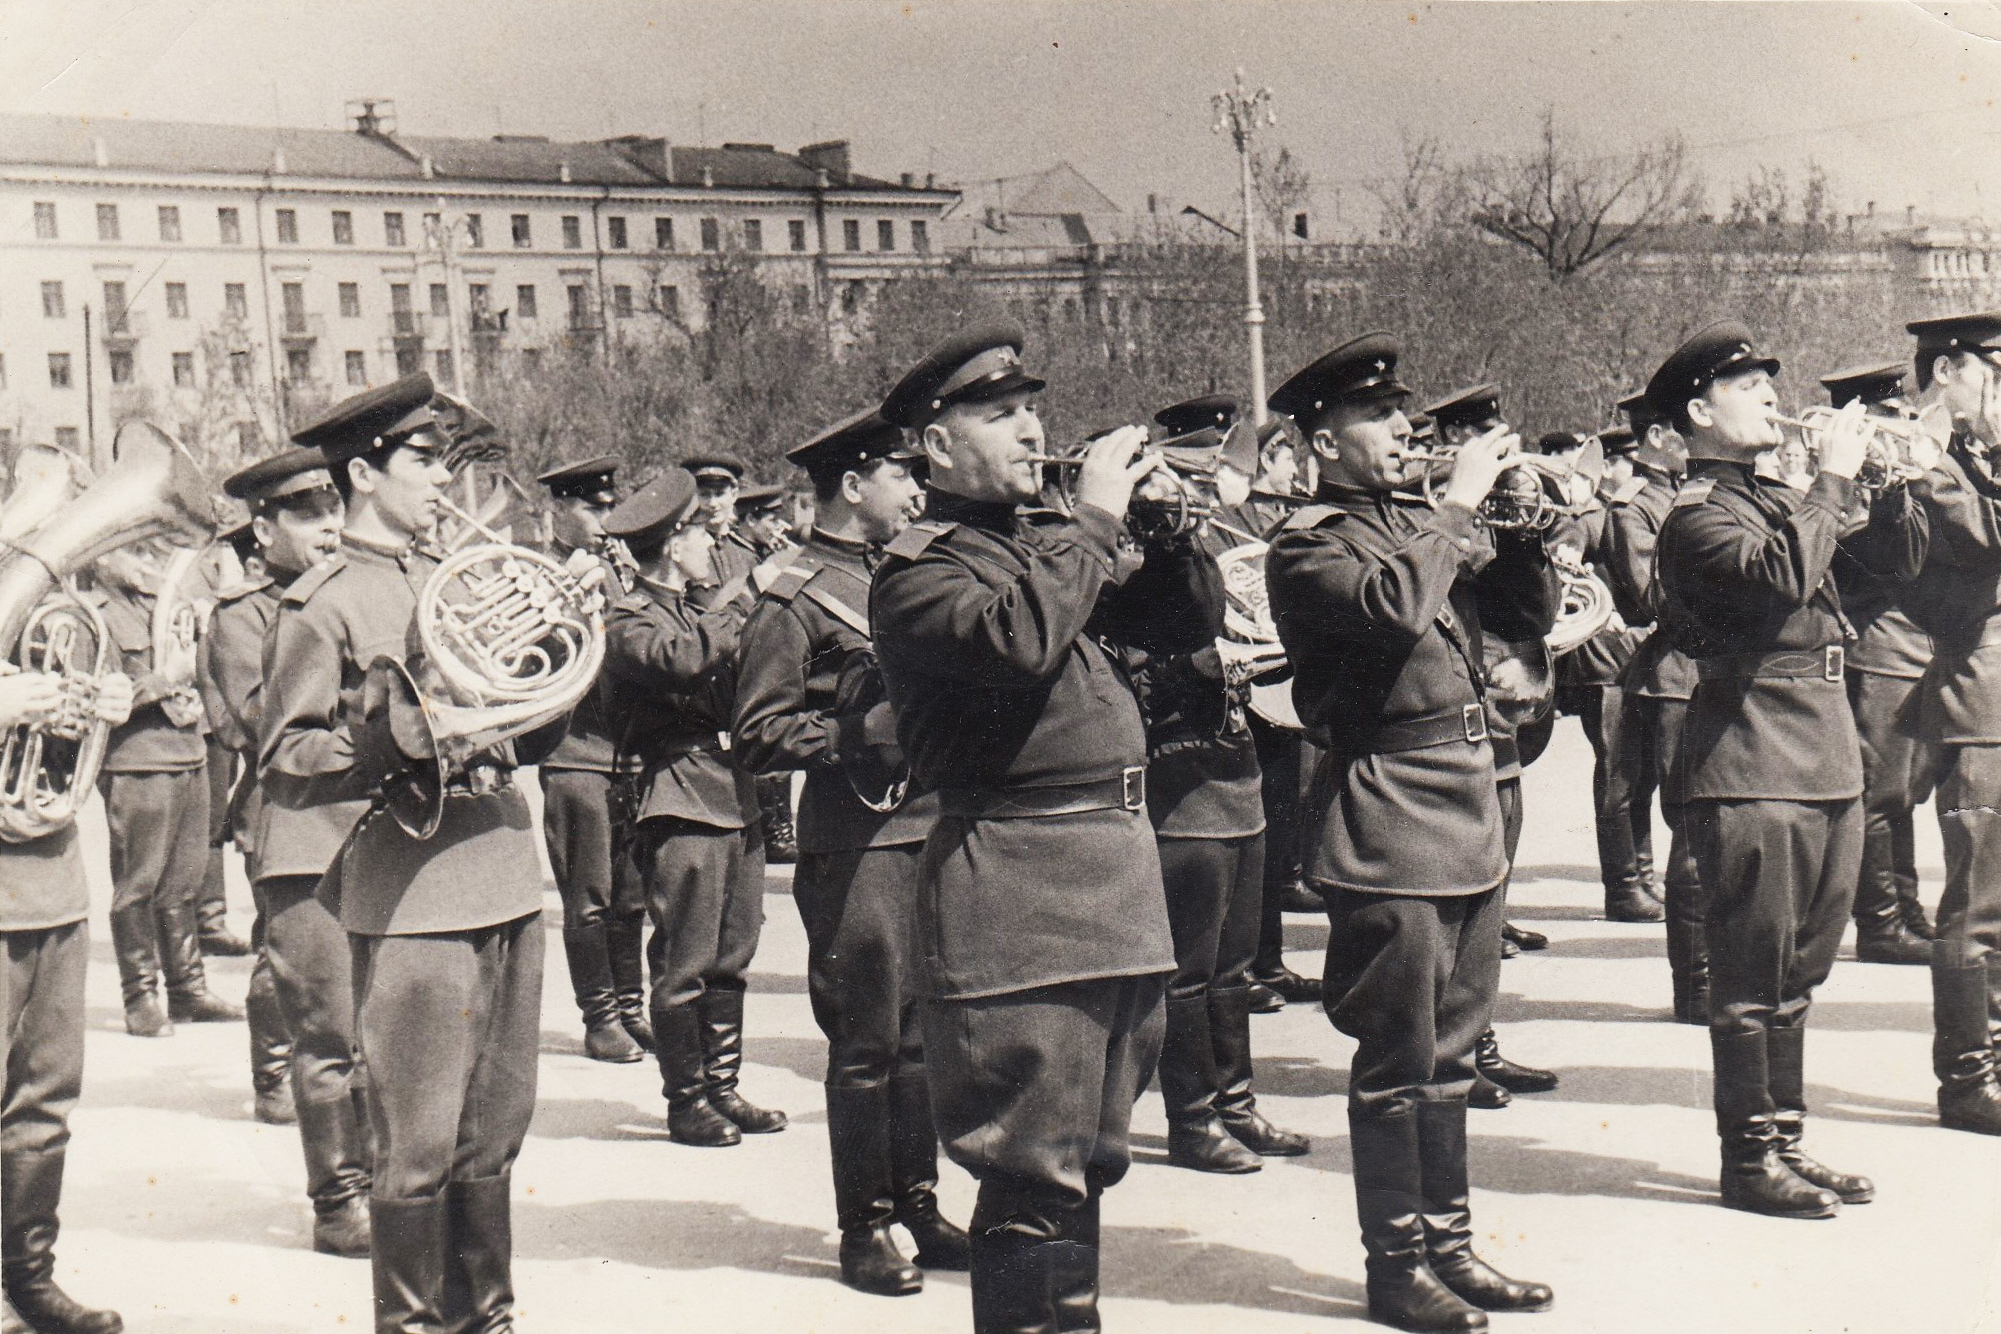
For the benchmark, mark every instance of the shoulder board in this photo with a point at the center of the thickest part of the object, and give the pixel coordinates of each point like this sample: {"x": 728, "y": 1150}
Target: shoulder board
{"x": 313, "y": 580}
{"x": 1630, "y": 492}
{"x": 1694, "y": 493}
{"x": 783, "y": 585}
{"x": 1309, "y": 516}
{"x": 912, "y": 541}
{"x": 240, "y": 590}
{"x": 637, "y": 600}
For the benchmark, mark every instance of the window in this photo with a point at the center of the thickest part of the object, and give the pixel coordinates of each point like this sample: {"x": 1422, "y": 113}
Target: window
{"x": 170, "y": 222}
{"x": 795, "y": 232}
{"x": 343, "y": 225}
{"x": 392, "y": 229}
{"x": 121, "y": 365}
{"x": 177, "y": 301}
{"x": 885, "y": 235}
{"x": 288, "y": 226}
{"x": 45, "y": 222}
{"x": 249, "y": 439}
{"x": 59, "y": 376}
{"x": 580, "y": 306}
{"x": 621, "y": 301}
{"x": 753, "y": 234}
{"x": 350, "y": 301}
{"x": 524, "y": 301}
{"x": 68, "y": 437}
{"x": 441, "y": 300}
{"x": 615, "y": 230}
{"x": 518, "y": 223}
{"x": 107, "y": 222}
{"x": 851, "y": 234}
{"x": 442, "y": 359}
{"x": 573, "y": 232}
{"x": 400, "y": 314}
{"x": 239, "y": 367}
{"x": 409, "y": 360}
{"x": 184, "y": 370}
{"x": 475, "y": 231}
{"x": 294, "y": 297}
{"x": 234, "y": 301}
{"x": 668, "y": 301}
{"x": 52, "y": 301}
{"x": 229, "y": 226}
{"x": 920, "y": 236}
{"x": 712, "y": 234}
{"x": 114, "y": 308}
{"x": 357, "y": 368}
{"x": 299, "y": 365}
{"x": 531, "y": 358}
{"x": 663, "y": 233}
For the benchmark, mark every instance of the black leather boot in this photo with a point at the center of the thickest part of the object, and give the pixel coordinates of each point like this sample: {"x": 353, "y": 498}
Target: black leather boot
{"x": 1236, "y": 1105}
{"x": 1882, "y": 935}
{"x": 1912, "y": 909}
{"x": 479, "y": 1257}
{"x": 1785, "y": 1072}
{"x": 189, "y": 1001}
{"x": 270, "y": 1048}
{"x": 337, "y": 1174}
{"x": 1448, "y": 1218}
{"x": 212, "y": 932}
{"x": 31, "y": 1186}
{"x": 913, "y": 1177}
{"x": 1688, "y": 971}
{"x": 1389, "y": 1202}
{"x": 1073, "y": 1269}
{"x": 1523, "y": 938}
{"x": 1514, "y": 1078}
{"x": 1487, "y": 1095}
{"x": 722, "y": 1043}
{"x": 135, "y": 942}
{"x": 858, "y": 1133}
{"x": 1013, "y": 1264}
{"x": 1195, "y": 1138}
{"x": 1285, "y": 983}
{"x": 1969, "y": 1098}
{"x": 622, "y": 940}
{"x": 605, "y": 1038}
{"x": 1755, "y": 1178}
{"x": 1633, "y": 902}
{"x": 684, "y": 1080}
{"x": 408, "y": 1263}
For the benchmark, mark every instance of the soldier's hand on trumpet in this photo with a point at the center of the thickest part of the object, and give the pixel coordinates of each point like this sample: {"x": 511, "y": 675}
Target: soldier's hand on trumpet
{"x": 1112, "y": 466}
{"x": 1480, "y": 463}
{"x": 30, "y": 697}
{"x": 112, "y": 698}
{"x": 1843, "y": 444}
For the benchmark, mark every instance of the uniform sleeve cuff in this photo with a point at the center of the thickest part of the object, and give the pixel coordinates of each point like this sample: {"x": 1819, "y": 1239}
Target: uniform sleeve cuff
{"x": 1836, "y": 494}
{"x": 1101, "y": 527}
{"x": 1457, "y": 523}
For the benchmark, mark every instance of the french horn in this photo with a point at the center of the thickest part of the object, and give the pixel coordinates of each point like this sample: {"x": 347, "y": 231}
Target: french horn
{"x": 1247, "y": 622}
{"x": 1587, "y": 606}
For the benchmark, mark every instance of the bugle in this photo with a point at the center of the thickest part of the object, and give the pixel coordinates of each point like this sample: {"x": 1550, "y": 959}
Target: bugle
{"x": 1888, "y": 455}
{"x": 1529, "y": 495}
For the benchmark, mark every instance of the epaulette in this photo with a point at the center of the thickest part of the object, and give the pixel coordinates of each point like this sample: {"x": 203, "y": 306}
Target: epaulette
{"x": 913, "y": 541}
{"x": 782, "y": 585}
{"x": 769, "y": 572}
{"x": 637, "y": 600}
{"x": 1628, "y": 493}
{"x": 240, "y": 590}
{"x": 313, "y": 580}
{"x": 1693, "y": 493}
{"x": 1308, "y": 516}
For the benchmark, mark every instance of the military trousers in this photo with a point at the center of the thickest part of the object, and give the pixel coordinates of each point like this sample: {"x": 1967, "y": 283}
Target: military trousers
{"x": 1778, "y": 877}
{"x": 158, "y": 824}
{"x": 1412, "y": 979}
{"x": 41, "y": 1003}
{"x": 590, "y": 848}
{"x": 1622, "y": 788}
{"x": 448, "y": 1026}
{"x": 1281, "y": 757}
{"x": 1655, "y": 724}
{"x": 312, "y": 965}
{"x": 213, "y": 902}
{"x": 859, "y": 908}
{"x": 1032, "y": 1091}
{"x": 1969, "y": 819}
{"x": 705, "y": 894}
{"x": 1215, "y": 897}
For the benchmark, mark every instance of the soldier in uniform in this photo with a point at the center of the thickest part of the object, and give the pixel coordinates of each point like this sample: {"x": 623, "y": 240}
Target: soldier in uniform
{"x": 1886, "y": 665}
{"x": 604, "y": 907}
{"x": 1956, "y": 599}
{"x": 718, "y": 483}
{"x": 760, "y": 518}
{"x": 445, "y": 934}
{"x": 1773, "y": 771}
{"x": 670, "y": 677}
{"x": 44, "y": 904}
{"x": 1041, "y": 918}
{"x": 155, "y": 788}
{"x": 810, "y": 697}
{"x": 1373, "y": 594}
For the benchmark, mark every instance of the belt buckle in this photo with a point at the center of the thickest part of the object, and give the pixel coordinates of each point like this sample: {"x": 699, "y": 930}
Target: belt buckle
{"x": 1837, "y": 661}
{"x": 1473, "y": 718}
{"x": 1132, "y": 787}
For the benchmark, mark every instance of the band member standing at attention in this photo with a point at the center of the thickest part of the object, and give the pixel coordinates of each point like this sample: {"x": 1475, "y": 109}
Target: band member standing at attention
{"x": 445, "y": 934}
{"x": 1772, "y": 767}
{"x": 1886, "y": 668}
{"x": 604, "y": 906}
{"x": 156, "y": 798}
{"x": 296, "y": 518}
{"x": 1373, "y": 595}
{"x": 1957, "y": 600}
{"x": 670, "y": 680}
{"x": 718, "y": 483}
{"x": 1040, "y": 913}
{"x": 1204, "y": 800}
{"x": 760, "y": 519}
{"x": 811, "y": 697}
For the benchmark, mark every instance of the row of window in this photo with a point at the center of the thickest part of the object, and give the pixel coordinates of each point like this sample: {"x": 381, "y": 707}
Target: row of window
{"x": 479, "y": 302}
{"x": 298, "y": 367}
{"x": 229, "y": 229}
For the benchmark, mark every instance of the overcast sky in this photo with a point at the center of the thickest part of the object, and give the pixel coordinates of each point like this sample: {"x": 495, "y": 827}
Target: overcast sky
{"x": 1896, "y": 100}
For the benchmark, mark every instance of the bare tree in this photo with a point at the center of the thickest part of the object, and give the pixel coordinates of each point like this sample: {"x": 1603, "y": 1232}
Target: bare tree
{"x": 1282, "y": 188}
{"x": 1427, "y": 192}
{"x": 1571, "y": 210}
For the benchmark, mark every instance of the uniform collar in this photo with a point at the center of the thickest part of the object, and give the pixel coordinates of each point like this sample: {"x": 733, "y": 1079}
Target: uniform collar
{"x": 851, "y": 547}
{"x": 949, "y": 508}
{"x": 368, "y": 549}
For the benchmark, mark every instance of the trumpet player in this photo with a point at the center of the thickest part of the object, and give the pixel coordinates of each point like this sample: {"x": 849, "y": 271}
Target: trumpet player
{"x": 811, "y": 698}
{"x": 1373, "y": 594}
{"x": 155, "y": 787}
{"x": 1773, "y": 771}
{"x": 445, "y": 935}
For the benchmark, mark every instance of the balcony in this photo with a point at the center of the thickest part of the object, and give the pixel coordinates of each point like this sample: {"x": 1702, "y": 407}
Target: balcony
{"x": 488, "y": 325}
{"x": 407, "y": 326}
{"x": 123, "y": 328}
{"x": 297, "y": 329}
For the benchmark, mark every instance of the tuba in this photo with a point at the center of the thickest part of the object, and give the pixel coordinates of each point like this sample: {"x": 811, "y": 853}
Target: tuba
{"x": 508, "y": 639}
{"x": 48, "y": 769}
{"x": 1247, "y": 621}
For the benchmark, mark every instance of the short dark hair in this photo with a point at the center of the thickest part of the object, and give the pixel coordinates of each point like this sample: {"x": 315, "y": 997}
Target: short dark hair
{"x": 826, "y": 478}
{"x": 343, "y": 480}
{"x": 1928, "y": 357}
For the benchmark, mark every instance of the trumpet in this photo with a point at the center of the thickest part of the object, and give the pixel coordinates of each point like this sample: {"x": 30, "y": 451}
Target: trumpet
{"x": 1150, "y": 516}
{"x": 1522, "y": 499}
{"x": 1888, "y": 458}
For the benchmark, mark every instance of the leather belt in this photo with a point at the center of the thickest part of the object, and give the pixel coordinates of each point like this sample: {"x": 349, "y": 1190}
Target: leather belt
{"x": 1126, "y": 792}
{"x": 1806, "y": 664}
{"x": 1467, "y": 723}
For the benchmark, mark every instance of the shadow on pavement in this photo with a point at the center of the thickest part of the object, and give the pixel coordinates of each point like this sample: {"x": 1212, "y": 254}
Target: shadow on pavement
{"x": 1621, "y": 946}
{"x": 1645, "y": 1086}
{"x": 1583, "y": 875}
{"x": 671, "y": 1234}
{"x": 1169, "y": 1265}
{"x": 1299, "y": 1077}
{"x": 1521, "y": 1166}
{"x": 778, "y": 984}
{"x": 1512, "y": 1007}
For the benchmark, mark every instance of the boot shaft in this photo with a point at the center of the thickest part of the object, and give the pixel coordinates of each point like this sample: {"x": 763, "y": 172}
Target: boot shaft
{"x": 858, "y": 1135}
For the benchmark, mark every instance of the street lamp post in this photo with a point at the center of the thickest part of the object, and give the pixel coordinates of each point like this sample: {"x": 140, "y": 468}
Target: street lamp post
{"x": 444, "y": 237}
{"x": 1241, "y": 111}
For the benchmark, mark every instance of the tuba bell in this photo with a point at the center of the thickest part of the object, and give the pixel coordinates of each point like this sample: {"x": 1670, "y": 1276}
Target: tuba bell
{"x": 1247, "y": 620}
{"x": 48, "y": 769}
{"x": 1586, "y": 608}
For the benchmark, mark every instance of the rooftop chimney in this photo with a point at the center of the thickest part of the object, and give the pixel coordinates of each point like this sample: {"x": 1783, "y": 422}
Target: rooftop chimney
{"x": 1910, "y": 215}
{"x": 1872, "y": 209}
{"x": 98, "y": 149}
{"x": 830, "y": 157}
{"x": 424, "y": 165}
{"x": 909, "y": 180}
{"x": 820, "y": 178}
{"x": 708, "y": 178}
{"x": 278, "y": 161}
{"x": 563, "y": 171}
